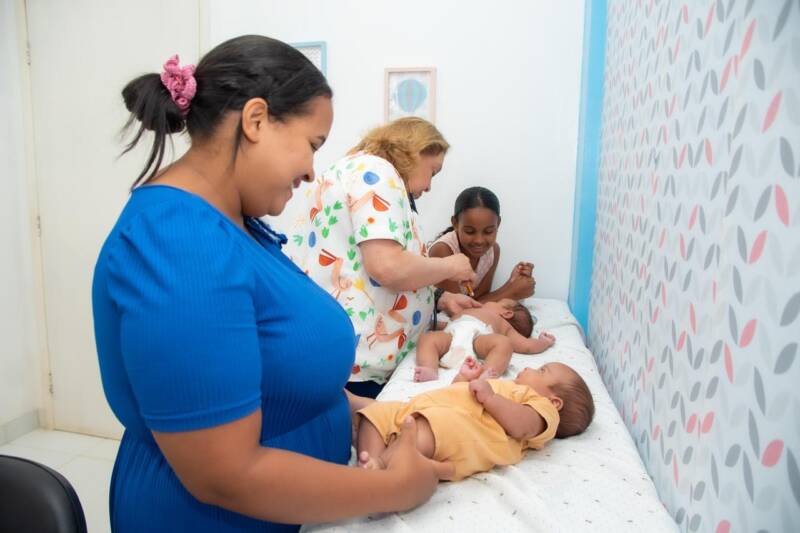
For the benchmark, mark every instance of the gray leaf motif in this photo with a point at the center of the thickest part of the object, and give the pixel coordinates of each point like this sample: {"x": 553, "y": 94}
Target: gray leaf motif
{"x": 737, "y": 284}
{"x": 758, "y": 387}
{"x": 784, "y": 15}
{"x": 714, "y": 476}
{"x": 786, "y": 358}
{"x": 733, "y": 455}
{"x": 734, "y": 326}
{"x": 748, "y": 475}
{"x": 763, "y": 202}
{"x": 787, "y": 157}
{"x": 739, "y": 121}
{"x": 731, "y": 204}
{"x": 695, "y": 522}
{"x": 758, "y": 73}
{"x": 752, "y": 429}
{"x": 794, "y": 474}
{"x": 791, "y": 310}
{"x": 742, "y": 242}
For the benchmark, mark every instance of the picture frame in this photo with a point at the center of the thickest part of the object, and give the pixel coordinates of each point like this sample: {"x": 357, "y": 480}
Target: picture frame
{"x": 410, "y": 91}
{"x": 316, "y": 52}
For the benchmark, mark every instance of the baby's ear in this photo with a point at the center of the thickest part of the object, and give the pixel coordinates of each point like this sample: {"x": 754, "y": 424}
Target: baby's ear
{"x": 508, "y": 314}
{"x": 557, "y": 402}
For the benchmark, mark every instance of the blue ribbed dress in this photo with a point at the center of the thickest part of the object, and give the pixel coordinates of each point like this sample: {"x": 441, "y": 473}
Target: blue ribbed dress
{"x": 197, "y": 325}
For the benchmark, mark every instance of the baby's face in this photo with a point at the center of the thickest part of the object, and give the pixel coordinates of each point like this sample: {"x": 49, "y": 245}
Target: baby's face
{"x": 542, "y": 379}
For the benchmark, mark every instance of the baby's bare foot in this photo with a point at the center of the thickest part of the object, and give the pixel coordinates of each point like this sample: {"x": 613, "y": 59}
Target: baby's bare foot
{"x": 471, "y": 369}
{"x": 369, "y": 462}
{"x": 424, "y": 373}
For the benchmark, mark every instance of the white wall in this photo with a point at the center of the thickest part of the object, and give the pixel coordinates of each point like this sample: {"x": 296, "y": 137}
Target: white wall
{"x": 20, "y": 380}
{"x": 508, "y": 76}
{"x": 83, "y": 53}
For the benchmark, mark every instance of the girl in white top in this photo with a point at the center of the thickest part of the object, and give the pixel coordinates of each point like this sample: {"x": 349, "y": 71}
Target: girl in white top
{"x": 473, "y": 232}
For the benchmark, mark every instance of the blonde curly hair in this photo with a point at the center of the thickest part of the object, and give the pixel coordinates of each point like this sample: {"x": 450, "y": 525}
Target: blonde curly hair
{"x": 402, "y": 141}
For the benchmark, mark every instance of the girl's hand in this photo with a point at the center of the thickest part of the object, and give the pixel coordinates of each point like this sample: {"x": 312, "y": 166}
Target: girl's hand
{"x": 520, "y": 287}
{"x": 415, "y": 475}
{"x": 453, "y": 304}
{"x": 481, "y": 390}
{"x": 523, "y": 268}
{"x": 461, "y": 269}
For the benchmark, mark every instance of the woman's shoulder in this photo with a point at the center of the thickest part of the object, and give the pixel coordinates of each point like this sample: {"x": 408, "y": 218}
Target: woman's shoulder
{"x": 162, "y": 218}
{"x": 369, "y": 162}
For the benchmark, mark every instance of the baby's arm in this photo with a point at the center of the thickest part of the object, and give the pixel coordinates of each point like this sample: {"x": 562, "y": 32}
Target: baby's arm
{"x": 529, "y": 345}
{"x": 518, "y": 421}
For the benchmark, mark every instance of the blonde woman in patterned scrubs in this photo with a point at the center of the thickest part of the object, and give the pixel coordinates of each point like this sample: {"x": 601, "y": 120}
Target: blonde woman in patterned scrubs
{"x": 360, "y": 240}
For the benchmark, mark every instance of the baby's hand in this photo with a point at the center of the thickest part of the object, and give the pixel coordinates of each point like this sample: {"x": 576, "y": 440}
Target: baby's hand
{"x": 481, "y": 390}
{"x": 547, "y": 338}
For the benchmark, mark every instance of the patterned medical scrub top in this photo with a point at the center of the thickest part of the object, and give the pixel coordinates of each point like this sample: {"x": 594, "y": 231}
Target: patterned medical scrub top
{"x": 359, "y": 198}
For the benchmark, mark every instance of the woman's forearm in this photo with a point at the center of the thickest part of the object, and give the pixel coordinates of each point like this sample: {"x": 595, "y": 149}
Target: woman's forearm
{"x": 399, "y": 270}
{"x": 282, "y": 486}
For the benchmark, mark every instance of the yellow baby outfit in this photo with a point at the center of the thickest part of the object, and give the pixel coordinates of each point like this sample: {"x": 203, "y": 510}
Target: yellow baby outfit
{"x": 464, "y": 432}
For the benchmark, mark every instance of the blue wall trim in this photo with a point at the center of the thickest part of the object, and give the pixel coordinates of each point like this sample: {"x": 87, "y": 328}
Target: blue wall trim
{"x": 588, "y": 160}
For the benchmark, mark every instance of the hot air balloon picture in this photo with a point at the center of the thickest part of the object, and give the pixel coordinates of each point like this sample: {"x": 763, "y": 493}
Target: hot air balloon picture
{"x": 410, "y": 92}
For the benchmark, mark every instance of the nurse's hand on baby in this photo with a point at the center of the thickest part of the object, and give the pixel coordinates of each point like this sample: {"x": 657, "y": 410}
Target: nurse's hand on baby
{"x": 453, "y": 304}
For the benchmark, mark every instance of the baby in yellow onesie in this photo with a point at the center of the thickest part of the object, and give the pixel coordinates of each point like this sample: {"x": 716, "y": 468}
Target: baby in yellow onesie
{"x": 474, "y": 426}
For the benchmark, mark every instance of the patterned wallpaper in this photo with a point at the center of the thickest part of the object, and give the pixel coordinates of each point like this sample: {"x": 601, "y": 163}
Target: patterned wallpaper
{"x": 696, "y": 284}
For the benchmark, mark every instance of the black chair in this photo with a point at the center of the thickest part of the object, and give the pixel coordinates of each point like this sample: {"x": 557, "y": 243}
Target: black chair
{"x": 34, "y": 497}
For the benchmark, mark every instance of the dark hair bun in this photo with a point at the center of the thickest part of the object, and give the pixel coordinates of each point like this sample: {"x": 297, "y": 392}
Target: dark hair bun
{"x": 149, "y": 101}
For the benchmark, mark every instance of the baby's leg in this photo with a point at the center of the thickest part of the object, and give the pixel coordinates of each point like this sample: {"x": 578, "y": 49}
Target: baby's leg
{"x": 496, "y": 351}
{"x": 432, "y": 345}
{"x": 370, "y": 445}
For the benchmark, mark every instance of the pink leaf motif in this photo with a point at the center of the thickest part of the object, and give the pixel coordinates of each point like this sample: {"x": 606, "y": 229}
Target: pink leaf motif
{"x": 709, "y": 18}
{"x": 692, "y": 319}
{"x": 758, "y": 247}
{"x": 728, "y": 363}
{"x": 726, "y": 72}
{"x": 772, "y": 111}
{"x": 747, "y": 37}
{"x": 690, "y": 424}
{"x": 747, "y": 334}
{"x": 782, "y": 205}
{"x": 772, "y": 453}
{"x": 681, "y": 341}
{"x": 685, "y": 13}
{"x": 709, "y": 155}
{"x": 708, "y": 421}
{"x": 693, "y": 217}
{"x": 656, "y": 432}
{"x": 675, "y": 468}
{"x": 683, "y": 248}
{"x": 723, "y": 527}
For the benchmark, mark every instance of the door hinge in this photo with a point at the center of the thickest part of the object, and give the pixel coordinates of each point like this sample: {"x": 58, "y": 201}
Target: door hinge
{"x": 50, "y": 382}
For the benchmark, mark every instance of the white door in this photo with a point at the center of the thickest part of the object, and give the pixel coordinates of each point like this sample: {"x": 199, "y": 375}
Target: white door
{"x": 82, "y": 54}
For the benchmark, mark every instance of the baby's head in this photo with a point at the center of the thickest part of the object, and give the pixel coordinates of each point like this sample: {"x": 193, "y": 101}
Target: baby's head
{"x": 515, "y": 313}
{"x": 568, "y": 392}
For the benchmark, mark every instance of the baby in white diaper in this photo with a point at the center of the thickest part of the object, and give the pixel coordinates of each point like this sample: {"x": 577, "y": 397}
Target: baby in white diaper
{"x": 492, "y": 333}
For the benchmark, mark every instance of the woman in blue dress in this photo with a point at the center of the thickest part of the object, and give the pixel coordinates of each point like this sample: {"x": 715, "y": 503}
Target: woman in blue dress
{"x": 225, "y": 363}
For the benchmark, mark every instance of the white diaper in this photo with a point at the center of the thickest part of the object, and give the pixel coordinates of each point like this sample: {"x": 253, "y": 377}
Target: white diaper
{"x": 463, "y": 330}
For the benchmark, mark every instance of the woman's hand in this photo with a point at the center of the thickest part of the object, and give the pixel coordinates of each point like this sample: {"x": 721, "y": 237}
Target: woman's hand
{"x": 460, "y": 269}
{"x": 416, "y": 475}
{"x": 453, "y": 304}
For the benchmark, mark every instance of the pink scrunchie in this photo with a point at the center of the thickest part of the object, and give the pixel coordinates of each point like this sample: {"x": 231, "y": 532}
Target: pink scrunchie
{"x": 180, "y": 83}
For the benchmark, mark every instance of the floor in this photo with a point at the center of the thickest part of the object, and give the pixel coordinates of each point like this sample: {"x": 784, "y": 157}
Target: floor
{"x": 85, "y": 461}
